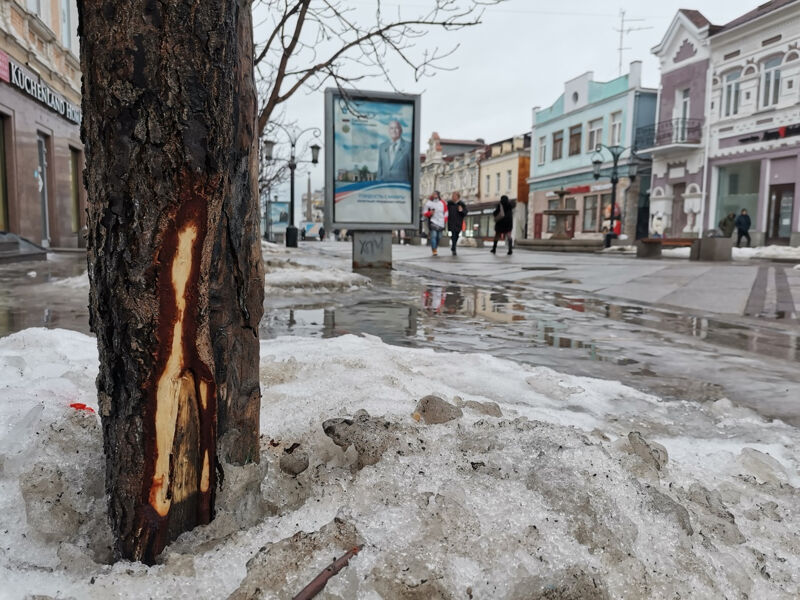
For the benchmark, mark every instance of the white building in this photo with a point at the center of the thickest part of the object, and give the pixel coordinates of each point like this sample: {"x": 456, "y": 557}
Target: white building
{"x": 754, "y": 117}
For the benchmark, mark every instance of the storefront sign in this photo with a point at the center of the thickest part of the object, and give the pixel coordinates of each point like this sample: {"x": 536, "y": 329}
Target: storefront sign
{"x": 579, "y": 189}
{"x": 26, "y": 82}
{"x": 772, "y": 134}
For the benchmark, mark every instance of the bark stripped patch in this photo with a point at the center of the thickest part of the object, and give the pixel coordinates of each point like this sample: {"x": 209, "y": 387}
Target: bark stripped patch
{"x": 181, "y": 418}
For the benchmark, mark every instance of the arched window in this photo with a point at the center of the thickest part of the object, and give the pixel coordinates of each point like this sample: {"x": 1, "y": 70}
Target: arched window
{"x": 771, "y": 81}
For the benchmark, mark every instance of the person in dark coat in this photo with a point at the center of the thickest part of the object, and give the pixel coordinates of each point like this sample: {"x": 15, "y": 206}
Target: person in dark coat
{"x": 742, "y": 224}
{"x": 503, "y": 223}
{"x": 456, "y": 212}
{"x": 728, "y": 224}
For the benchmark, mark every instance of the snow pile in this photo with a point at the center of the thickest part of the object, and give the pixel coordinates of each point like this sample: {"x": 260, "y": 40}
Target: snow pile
{"x": 287, "y": 277}
{"x": 629, "y": 249}
{"x": 78, "y": 282}
{"x": 676, "y": 252}
{"x": 768, "y": 252}
{"x": 273, "y": 248}
{"x": 513, "y": 482}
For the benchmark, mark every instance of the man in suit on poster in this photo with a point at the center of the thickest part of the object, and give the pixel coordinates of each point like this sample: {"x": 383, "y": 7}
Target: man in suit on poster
{"x": 394, "y": 156}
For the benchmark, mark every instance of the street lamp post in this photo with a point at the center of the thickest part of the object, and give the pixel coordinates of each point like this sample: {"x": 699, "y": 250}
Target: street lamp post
{"x": 292, "y": 162}
{"x": 597, "y": 163}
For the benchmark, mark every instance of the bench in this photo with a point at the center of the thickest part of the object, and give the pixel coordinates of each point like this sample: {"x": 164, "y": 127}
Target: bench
{"x": 651, "y": 247}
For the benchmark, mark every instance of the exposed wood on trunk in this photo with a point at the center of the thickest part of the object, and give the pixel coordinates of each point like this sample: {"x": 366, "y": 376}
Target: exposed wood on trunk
{"x": 174, "y": 257}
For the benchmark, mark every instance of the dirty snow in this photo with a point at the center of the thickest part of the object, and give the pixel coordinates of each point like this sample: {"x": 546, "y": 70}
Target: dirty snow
{"x": 286, "y": 277}
{"x": 77, "y": 282}
{"x": 545, "y": 486}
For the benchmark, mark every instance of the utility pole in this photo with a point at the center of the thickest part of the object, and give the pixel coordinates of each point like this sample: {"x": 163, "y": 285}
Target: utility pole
{"x": 623, "y": 31}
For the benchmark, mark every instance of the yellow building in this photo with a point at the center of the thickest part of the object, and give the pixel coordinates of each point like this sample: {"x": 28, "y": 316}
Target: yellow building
{"x": 503, "y": 172}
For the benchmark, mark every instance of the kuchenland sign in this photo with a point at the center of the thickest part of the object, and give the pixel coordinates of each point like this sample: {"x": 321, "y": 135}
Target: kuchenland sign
{"x": 32, "y": 86}
{"x": 371, "y": 160}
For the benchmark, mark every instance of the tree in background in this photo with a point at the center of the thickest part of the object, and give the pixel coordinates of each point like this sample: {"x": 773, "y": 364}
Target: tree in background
{"x": 312, "y": 43}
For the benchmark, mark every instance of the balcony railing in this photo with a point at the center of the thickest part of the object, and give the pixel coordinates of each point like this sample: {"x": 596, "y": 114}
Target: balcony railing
{"x": 666, "y": 133}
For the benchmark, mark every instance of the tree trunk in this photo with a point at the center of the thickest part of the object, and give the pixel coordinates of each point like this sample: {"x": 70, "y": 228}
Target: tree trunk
{"x": 176, "y": 295}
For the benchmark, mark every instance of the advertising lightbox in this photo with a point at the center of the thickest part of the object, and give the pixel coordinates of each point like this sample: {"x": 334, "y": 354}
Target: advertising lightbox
{"x": 371, "y": 160}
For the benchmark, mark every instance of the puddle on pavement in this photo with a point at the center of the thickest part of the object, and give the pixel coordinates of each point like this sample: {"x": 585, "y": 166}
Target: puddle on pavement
{"x": 652, "y": 349}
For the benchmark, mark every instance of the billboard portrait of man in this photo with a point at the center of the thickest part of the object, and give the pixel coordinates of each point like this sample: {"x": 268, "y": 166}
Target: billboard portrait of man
{"x": 394, "y": 156}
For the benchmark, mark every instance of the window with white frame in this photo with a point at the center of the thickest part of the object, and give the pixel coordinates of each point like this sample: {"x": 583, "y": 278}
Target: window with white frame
{"x": 35, "y": 6}
{"x": 542, "y": 149}
{"x": 497, "y": 181}
{"x": 508, "y": 180}
{"x": 616, "y": 128}
{"x": 488, "y": 182}
{"x": 66, "y": 26}
{"x": 595, "y": 135}
{"x": 730, "y": 103}
{"x": 771, "y": 82}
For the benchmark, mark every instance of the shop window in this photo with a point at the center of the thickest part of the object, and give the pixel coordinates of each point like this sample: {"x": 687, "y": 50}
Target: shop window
{"x": 590, "y": 213}
{"x": 4, "y": 225}
{"x": 75, "y": 189}
{"x": 605, "y": 207}
{"x": 738, "y": 189}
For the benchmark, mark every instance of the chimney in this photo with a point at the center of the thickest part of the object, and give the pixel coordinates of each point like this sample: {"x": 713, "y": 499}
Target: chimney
{"x": 635, "y": 74}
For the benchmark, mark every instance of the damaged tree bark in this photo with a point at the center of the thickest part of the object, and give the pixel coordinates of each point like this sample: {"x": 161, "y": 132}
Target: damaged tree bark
{"x": 176, "y": 292}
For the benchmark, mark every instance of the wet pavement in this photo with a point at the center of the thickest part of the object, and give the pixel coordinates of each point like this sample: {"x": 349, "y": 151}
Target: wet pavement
{"x": 676, "y": 354}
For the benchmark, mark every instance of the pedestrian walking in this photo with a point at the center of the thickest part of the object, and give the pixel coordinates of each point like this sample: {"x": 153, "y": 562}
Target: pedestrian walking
{"x": 456, "y": 212}
{"x": 321, "y": 234}
{"x": 436, "y": 213}
{"x": 742, "y": 224}
{"x": 503, "y": 223}
{"x": 728, "y": 224}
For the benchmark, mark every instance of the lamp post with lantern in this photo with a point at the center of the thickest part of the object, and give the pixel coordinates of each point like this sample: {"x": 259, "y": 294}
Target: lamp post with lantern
{"x": 597, "y": 164}
{"x": 292, "y": 162}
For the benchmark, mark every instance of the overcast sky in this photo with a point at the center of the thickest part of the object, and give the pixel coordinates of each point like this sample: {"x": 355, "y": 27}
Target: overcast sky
{"x": 518, "y": 58}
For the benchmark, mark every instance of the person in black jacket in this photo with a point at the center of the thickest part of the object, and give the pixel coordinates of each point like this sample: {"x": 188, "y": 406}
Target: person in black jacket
{"x": 503, "y": 222}
{"x": 742, "y": 227}
{"x": 456, "y": 212}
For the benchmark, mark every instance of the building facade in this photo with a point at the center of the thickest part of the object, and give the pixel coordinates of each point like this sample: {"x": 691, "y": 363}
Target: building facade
{"x": 677, "y": 141}
{"x": 754, "y": 116}
{"x": 42, "y": 197}
{"x": 564, "y": 138}
{"x": 504, "y": 172}
{"x": 451, "y": 165}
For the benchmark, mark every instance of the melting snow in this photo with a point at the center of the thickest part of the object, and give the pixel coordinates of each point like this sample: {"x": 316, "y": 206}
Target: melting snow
{"x": 546, "y": 485}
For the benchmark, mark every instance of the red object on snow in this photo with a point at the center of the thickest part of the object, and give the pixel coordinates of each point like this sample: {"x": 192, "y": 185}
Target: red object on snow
{"x": 81, "y": 406}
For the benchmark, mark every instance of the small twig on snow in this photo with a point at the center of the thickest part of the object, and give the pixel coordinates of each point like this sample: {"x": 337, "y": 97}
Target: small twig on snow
{"x": 319, "y": 582}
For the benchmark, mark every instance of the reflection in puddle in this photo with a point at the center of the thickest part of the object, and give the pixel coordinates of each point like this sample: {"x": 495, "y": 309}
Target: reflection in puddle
{"x": 465, "y": 311}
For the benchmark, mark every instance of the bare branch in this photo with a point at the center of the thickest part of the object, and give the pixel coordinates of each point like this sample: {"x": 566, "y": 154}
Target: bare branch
{"x": 351, "y": 46}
